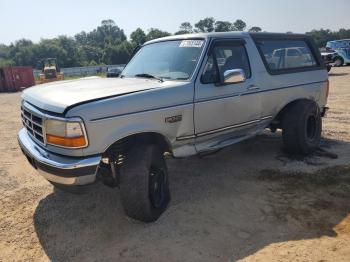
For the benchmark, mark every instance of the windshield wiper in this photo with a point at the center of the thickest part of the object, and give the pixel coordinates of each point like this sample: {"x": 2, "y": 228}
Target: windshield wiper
{"x": 149, "y": 76}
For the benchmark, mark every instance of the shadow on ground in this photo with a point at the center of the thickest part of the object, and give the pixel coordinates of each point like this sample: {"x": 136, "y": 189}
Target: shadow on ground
{"x": 224, "y": 207}
{"x": 338, "y": 74}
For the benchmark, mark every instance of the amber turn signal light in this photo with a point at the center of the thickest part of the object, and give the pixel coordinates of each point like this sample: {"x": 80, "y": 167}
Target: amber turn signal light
{"x": 66, "y": 141}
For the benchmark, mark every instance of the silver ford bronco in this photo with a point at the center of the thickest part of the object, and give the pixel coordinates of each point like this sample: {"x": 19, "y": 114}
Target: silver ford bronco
{"x": 180, "y": 96}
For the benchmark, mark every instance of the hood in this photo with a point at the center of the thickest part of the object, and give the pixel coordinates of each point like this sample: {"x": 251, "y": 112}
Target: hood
{"x": 57, "y": 96}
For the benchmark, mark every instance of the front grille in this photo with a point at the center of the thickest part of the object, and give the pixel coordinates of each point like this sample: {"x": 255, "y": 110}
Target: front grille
{"x": 33, "y": 123}
{"x": 50, "y": 73}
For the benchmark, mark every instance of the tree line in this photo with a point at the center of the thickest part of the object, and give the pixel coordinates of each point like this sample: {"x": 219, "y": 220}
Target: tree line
{"x": 108, "y": 44}
{"x": 322, "y": 36}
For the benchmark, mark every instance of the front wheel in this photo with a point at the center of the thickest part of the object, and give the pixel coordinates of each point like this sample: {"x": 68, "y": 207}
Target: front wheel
{"x": 302, "y": 127}
{"x": 144, "y": 184}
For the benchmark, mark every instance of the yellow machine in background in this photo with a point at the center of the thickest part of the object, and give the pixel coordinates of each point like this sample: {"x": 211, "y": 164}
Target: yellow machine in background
{"x": 51, "y": 71}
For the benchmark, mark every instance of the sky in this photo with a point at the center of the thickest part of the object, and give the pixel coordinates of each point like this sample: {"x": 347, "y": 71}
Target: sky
{"x": 36, "y": 19}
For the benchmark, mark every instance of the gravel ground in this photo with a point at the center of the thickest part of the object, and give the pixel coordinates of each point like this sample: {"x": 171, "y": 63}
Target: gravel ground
{"x": 249, "y": 202}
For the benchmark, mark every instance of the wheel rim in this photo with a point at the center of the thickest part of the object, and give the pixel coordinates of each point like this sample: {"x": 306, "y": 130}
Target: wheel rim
{"x": 311, "y": 127}
{"x": 157, "y": 180}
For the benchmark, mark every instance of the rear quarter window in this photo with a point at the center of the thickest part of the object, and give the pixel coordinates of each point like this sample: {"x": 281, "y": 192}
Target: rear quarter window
{"x": 287, "y": 55}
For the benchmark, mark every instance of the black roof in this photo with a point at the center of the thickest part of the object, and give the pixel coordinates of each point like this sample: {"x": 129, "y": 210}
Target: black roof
{"x": 276, "y": 35}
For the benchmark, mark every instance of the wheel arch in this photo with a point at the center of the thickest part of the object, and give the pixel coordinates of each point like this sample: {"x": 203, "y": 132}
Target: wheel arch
{"x": 142, "y": 137}
{"x": 276, "y": 123}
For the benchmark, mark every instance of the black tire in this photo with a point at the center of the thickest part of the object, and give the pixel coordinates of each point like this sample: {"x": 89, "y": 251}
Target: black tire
{"x": 338, "y": 61}
{"x": 144, "y": 183}
{"x": 302, "y": 127}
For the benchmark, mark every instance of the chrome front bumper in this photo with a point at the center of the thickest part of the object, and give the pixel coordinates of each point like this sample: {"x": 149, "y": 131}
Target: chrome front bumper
{"x": 70, "y": 171}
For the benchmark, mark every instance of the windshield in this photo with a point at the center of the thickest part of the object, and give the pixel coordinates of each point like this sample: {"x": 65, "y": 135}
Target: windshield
{"x": 171, "y": 60}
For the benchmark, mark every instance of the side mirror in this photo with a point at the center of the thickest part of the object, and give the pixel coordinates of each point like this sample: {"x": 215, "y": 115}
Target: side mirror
{"x": 234, "y": 76}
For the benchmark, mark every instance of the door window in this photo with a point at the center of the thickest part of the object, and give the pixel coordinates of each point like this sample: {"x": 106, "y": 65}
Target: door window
{"x": 223, "y": 57}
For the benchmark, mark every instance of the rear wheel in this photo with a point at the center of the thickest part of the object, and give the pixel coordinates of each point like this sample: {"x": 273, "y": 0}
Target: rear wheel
{"x": 144, "y": 184}
{"x": 302, "y": 127}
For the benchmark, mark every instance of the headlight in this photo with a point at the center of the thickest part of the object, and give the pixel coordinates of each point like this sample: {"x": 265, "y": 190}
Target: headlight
{"x": 68, "y": 133}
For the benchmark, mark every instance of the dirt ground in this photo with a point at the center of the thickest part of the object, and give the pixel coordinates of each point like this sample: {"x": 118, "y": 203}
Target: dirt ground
{"x": 249, "y": 202}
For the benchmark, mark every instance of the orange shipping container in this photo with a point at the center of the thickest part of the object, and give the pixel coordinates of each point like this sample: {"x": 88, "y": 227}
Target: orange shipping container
{"x": 15, "y": 78}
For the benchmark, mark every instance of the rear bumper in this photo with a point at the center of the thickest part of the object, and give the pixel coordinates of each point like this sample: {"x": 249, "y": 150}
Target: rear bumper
{"x": 63, "y": 170}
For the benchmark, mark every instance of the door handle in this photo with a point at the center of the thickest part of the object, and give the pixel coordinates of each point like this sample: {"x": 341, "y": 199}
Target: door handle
{"x": 253, "y": 87}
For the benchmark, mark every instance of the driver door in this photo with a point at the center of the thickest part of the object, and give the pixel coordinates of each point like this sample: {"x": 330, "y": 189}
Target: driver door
{"x": 224, "y": 111}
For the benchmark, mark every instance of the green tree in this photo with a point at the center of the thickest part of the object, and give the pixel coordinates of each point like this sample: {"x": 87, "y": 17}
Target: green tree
{"x": 6, "y": 62}
{"x": 71, "y": 56}
{"x": 82, "y": 38}
{"x": 205, "y": 25}
{"x": 64, "y": 49}
{"x": 181, "y": 32}
{"x": 255, "y": 29}
{"x": 223, "y": 26}
{"x": 4, "y": 56}
{"x": 138, "y": 37}
{"x": 49, "y": 48}
{"x": 118, "y": 54}
{"x": 22, "y": 52}
{"x": 94, "y": 46}
{"x": 105, "y": 34}
{"x": 154, "y": 33}
{"x": 343, "y": 33}
{"x": 239, "y": 25}
{"x": 185, "y": 28}
{"x": 4, "y": 51}
{"x": 322, "y": 36}
{"x": 90, "y": 54}
{"x": 107, "y": 43}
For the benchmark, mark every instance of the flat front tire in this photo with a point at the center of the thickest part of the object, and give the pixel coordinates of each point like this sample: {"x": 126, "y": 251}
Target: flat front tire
{"x": 144, "y": 183}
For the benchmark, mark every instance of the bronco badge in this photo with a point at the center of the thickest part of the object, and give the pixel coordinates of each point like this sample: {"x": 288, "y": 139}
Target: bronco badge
{"x": 173, "y": 119}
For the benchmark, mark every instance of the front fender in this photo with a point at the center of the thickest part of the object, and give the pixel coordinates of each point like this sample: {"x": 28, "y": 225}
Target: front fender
{"x": 102, "y": 133}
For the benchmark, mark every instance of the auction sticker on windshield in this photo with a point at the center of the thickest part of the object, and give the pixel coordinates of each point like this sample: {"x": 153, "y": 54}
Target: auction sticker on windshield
{"x": 192, "y": 43}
